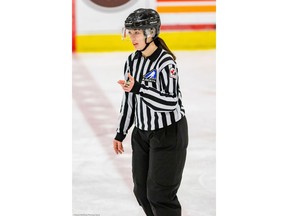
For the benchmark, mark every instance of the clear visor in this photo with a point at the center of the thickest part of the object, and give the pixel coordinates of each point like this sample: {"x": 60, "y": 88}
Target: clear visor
{"x": 137, "y": 33}
{"x": 124, "y": 33}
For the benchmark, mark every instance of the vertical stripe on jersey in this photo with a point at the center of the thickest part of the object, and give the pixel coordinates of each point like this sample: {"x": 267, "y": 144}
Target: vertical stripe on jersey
{"x": 145, "y": 118}
{"x": 160, "y": 122}
{"x": 138, "y": 73}
{"x": 149, "y": 119}
{"x": 168, "y": 118}
{"x": 164, "y": 121}
{"x": 141, "y": 114}
{"x": 172, "y": 116}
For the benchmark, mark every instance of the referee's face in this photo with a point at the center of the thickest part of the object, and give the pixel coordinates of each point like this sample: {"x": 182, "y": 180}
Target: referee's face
{"x": 137, "y": 38}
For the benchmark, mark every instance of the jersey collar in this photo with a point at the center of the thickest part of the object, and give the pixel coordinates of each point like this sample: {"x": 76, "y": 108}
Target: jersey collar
{"x": 155, "y": 54}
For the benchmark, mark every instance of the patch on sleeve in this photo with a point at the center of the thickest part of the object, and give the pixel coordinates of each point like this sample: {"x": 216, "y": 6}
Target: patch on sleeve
{"x": 150, "y": 76}
{"x": 173, "y": 73}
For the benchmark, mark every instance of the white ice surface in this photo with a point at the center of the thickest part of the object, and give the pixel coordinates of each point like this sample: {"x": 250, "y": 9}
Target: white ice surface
{"x": 102, "y": 182}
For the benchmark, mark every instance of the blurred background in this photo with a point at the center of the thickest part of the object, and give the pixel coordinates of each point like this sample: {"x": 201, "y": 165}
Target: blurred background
{"x": 102, "y": 181}
{"x": 186, "y": 24}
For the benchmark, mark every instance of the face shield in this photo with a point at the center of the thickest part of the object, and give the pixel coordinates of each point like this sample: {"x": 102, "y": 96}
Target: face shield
{"x": 137, "y": 33}
{"x": 124, "y": 34}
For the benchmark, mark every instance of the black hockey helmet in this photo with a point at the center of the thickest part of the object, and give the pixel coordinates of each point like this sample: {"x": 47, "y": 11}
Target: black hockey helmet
{"x": 144, "y": 19}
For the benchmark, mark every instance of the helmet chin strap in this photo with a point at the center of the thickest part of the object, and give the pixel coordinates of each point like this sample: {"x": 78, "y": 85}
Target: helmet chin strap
{"x": 147, "y": 44}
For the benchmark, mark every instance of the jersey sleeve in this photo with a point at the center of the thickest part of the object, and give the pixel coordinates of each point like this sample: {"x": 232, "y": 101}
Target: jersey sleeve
{"x": 164, "y": 99}
{"x": 127, "y": 112}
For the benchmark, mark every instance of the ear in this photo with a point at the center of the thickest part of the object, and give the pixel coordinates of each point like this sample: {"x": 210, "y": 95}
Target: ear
{"x": 150, "y": 32}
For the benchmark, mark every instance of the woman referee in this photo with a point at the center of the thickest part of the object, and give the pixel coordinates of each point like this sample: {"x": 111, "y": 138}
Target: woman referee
{"x": 153, "y": 102}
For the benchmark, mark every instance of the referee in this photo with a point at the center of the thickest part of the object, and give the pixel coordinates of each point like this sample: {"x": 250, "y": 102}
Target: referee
{"x": 152, "y": 101}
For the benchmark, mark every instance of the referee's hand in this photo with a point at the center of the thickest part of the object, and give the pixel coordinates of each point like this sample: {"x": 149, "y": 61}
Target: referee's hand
{"x": 118, "y": 147}
{"x": 127, "y": 85}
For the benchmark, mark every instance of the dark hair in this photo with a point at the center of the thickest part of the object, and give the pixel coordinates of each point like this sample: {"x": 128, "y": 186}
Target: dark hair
{"x": 161, "y": 43}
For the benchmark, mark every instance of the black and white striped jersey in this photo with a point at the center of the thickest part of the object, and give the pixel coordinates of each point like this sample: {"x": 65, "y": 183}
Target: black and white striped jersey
{"x": 155, "y": 100}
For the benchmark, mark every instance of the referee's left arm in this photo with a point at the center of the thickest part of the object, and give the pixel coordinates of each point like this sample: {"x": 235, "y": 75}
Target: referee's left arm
{"x": 164, "y": 99}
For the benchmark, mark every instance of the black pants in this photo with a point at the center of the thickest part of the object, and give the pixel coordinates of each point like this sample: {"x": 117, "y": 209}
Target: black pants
{"x": 158, "y": 160}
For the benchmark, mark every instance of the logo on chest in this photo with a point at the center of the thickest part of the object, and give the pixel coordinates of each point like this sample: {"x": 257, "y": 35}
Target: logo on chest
{"x": 150, "y": 76}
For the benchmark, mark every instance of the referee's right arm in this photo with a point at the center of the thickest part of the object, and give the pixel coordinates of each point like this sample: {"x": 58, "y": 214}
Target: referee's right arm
{"x": 127, "y": 112}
